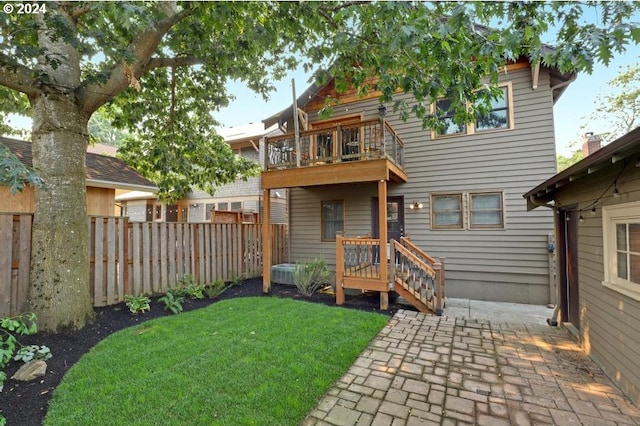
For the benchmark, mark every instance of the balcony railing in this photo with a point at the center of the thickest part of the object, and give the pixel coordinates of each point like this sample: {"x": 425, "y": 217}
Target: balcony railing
{"x": 366, "y": 140}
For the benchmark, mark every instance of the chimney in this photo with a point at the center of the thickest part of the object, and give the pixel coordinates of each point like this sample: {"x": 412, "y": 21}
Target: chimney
{"x": 590, "y": 144}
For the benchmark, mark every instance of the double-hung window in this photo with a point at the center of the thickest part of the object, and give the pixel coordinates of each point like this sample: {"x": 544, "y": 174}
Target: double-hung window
{"x": 449, "y": 126}
{"x": 621, "y": 237}
{"x": 446, "y": 211}
{"x": 498, "y": 116}
{"x": 485, "y": 210}
{"x": 332, "y": 219}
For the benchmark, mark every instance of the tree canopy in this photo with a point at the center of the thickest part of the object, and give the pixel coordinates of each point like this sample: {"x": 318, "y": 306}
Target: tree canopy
{"x": 160, "y": 68}
{"x": 621, "y": 107}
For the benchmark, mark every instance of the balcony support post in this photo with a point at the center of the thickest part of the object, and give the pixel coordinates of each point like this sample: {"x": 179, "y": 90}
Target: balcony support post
{"x": 382, "y": 226}
{"x": 266, "y": 241}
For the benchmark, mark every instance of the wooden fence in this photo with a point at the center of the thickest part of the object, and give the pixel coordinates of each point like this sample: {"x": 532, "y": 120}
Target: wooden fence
{"x": 156, "y": 255}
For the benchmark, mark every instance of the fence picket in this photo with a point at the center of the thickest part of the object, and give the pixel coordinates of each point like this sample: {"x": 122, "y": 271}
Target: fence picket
{"x": 6, "y": 261}
{"x": 98, "y": 262}
{"x": 172, "y": 254}
{"x": 112, "y": 284}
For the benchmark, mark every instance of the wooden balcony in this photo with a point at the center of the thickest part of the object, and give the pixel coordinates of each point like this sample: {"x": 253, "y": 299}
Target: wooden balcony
{"x": 367, "y": 151}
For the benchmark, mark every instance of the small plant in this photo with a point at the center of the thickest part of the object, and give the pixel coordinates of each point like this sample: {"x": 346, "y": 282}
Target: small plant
{"x": 31, "y": 352}
{"x": 172, "y": 301}
{"x": 310, "y": 276}
{"x": 137, "y": 304}
{"x": 10, "y": 327}
{"x": 237, "y": 279}
{"x": 214, "y": 289}
{"x": 188, "y": 288}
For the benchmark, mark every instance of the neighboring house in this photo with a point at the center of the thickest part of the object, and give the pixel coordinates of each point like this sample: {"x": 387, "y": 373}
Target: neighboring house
{"x": 106, "y": 177}
{"x": 241, "y": 196}
{"x": 457, "y": 194}
{"x": 597, "y": 209}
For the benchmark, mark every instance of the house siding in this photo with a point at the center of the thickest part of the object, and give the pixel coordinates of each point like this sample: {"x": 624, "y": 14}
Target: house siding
{"x": 247, "y": 192}
{"x": 609, "y": 320}
{"x": 136, "y": 210}
{"x": 510, "y": 264}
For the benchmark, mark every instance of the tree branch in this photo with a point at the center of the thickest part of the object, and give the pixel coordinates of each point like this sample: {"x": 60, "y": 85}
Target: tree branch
{"x": 16, "y": 76}
{"x": 154, "y": 63}
{"x": 92, "y": 96}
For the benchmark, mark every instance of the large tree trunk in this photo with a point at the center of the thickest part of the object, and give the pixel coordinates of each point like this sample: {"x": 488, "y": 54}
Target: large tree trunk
{"x": 59, "y": 291}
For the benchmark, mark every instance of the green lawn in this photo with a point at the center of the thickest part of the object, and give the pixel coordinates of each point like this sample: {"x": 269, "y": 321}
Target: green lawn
{"x": 245, "y": 361}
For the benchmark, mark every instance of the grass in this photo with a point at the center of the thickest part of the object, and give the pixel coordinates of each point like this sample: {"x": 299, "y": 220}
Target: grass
{"x": 245, "y": 361}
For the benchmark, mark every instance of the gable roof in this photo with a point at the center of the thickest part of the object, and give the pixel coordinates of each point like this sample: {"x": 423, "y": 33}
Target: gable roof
{"x": 101, "y": 171}
{"x": 618, "y": 150}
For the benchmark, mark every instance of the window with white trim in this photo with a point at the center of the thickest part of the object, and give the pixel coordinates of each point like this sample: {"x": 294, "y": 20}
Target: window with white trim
{"x": 621, "y": 237}
{"x": 467, "y": 210}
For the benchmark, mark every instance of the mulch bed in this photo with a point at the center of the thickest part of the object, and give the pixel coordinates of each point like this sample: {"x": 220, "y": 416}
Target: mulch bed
{"x": 25, "y": 403}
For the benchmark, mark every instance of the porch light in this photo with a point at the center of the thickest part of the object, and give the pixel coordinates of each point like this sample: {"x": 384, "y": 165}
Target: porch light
{"x": 416, "y": 205}
{"x": 616, "y": 193}
{"x": 382, "y": 110}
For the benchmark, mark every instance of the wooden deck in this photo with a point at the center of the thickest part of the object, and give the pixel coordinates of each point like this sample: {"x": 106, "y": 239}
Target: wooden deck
{"x": 366, "y": 151}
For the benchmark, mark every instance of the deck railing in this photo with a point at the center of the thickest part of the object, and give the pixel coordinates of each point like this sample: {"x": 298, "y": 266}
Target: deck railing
{"x": 418, "y": 275}
{"x": 415, "y": 275}
{"x": 371, "y": 139}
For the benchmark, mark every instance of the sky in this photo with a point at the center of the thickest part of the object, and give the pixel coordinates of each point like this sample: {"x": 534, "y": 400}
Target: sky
{"x": 571, "y": 111}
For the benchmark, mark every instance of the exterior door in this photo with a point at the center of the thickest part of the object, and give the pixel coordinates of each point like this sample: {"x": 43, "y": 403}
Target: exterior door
{"x": 395, "y": 217}
{"x": 568, "y": 266}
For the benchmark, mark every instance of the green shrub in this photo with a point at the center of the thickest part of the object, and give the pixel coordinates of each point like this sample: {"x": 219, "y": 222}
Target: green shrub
{"x": 31, "y": 352}
{"x": 310, "y": 276}
{"x": 237, "y": 279}
{"x": 188, "y": 288}
{"x": 214, "y": 289}
{"x": 172, "y": 301}
{"x": 137, "y": 304}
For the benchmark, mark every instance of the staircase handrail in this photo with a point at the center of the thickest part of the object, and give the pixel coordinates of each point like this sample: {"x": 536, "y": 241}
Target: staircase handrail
{"x": 414, "y": 258}
{"x": 417, "y": 251}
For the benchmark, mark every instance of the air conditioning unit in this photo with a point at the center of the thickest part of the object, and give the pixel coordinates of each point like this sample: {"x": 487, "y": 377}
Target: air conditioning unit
{"x": 283, "y": 273}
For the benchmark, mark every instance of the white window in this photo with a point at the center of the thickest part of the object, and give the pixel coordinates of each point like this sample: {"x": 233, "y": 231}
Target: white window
{"x": 621, "y": 237}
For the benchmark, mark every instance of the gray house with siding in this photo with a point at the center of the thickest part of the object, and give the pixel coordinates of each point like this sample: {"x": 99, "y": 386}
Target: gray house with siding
{"x": 597, "y": 206}
{"x": 458, "y": 194}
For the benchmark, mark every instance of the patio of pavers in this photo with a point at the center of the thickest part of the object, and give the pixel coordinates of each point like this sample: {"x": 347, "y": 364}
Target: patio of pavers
{"x": 427, "y": 370}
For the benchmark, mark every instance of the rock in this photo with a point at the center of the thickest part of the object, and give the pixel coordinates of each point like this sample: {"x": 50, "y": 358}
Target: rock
{"x": 31, "y": 370}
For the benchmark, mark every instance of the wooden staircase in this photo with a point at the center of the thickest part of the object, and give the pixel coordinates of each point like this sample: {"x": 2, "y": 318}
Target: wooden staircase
{"x": 417, "y": 277}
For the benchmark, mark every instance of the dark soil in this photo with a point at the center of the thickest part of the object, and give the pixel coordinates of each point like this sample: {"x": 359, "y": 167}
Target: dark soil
{"x": 25, "y": 403}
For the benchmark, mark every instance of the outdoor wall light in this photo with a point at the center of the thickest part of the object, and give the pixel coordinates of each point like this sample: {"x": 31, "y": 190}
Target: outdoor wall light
{"x": 382, "y": 110}
{"x": 416, "y": 205}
